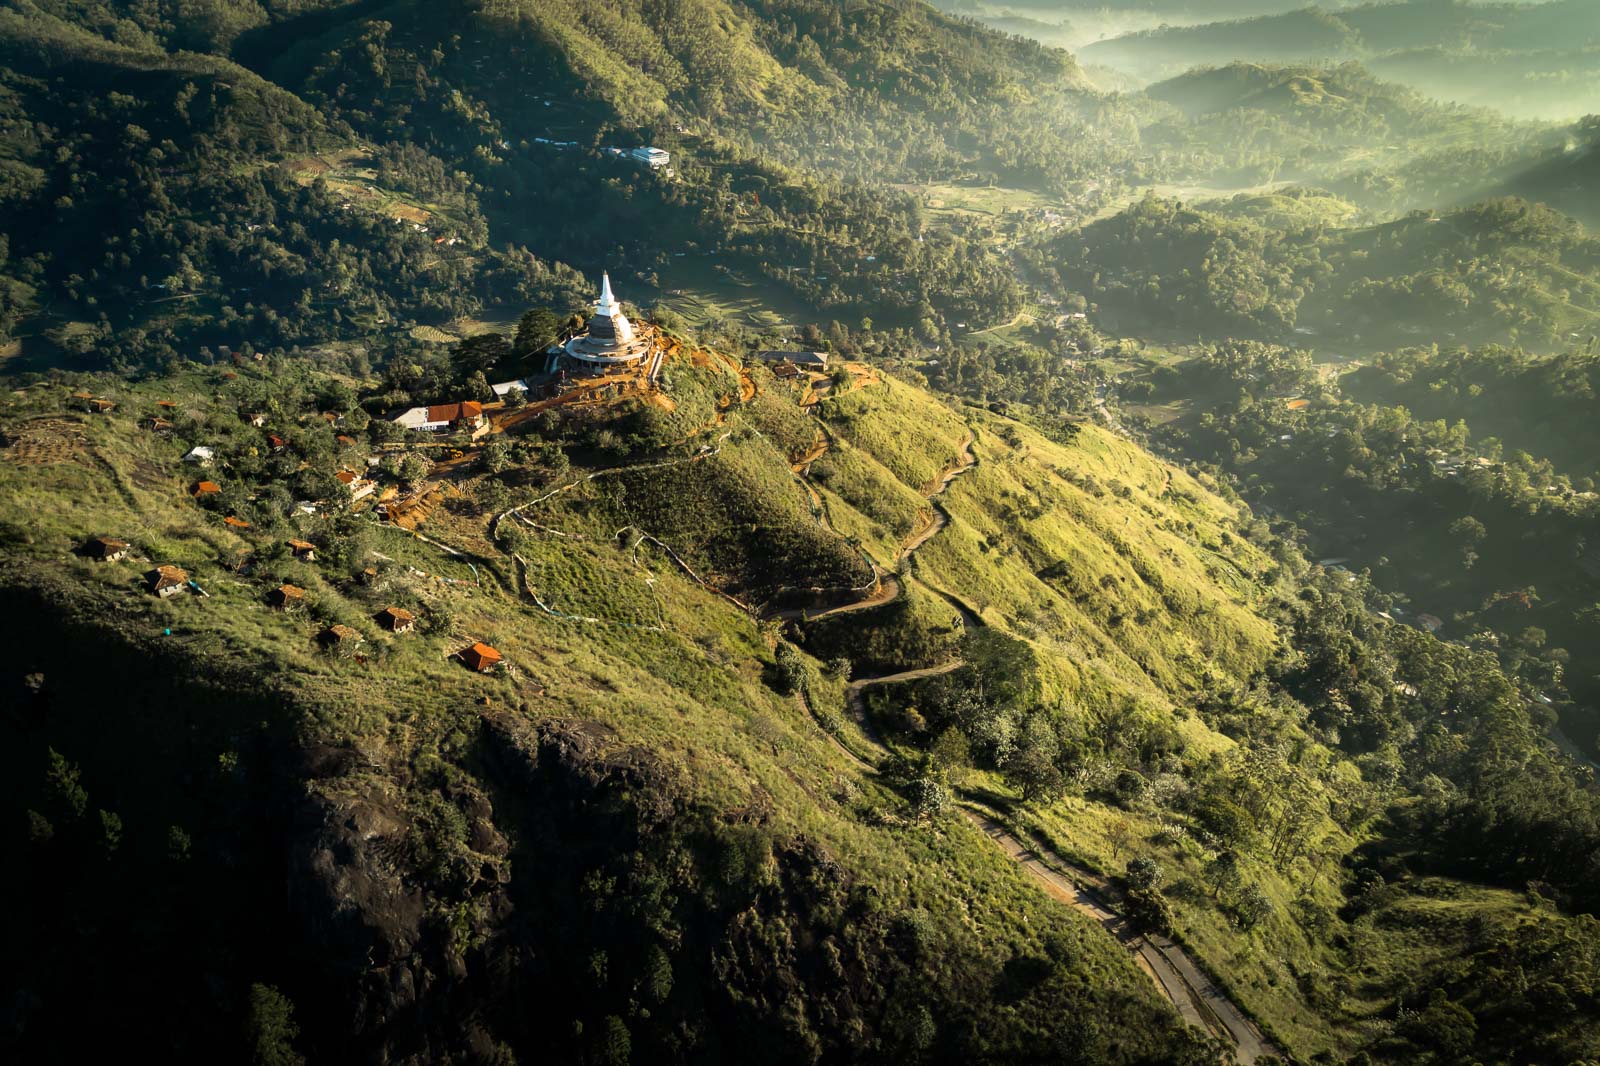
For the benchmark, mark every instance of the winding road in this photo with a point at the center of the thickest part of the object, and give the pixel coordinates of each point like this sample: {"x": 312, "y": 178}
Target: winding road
{"x": 1197, "y": 999}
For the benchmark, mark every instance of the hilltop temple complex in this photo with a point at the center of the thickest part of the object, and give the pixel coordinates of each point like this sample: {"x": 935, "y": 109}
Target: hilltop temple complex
{"x": 611, "y": 341}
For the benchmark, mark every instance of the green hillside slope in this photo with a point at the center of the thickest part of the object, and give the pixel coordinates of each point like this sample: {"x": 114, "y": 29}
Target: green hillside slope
{"x": 638, "y": 832}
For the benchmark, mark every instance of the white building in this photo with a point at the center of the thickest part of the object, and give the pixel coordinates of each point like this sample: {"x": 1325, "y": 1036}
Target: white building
{"x": 200, "y": 454}
{"x": 654, "y": 158}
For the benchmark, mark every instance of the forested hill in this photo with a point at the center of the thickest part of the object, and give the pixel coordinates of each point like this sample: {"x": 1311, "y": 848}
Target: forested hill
{"x": 1497, "y": 271}
{"x": 1331, "y": 125}
{"x": 281, "y": 175}
{"x": 1565, "y": 175}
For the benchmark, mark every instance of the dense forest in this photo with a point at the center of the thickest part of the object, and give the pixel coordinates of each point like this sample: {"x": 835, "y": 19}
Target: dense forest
{"x": 1502, "y": 270}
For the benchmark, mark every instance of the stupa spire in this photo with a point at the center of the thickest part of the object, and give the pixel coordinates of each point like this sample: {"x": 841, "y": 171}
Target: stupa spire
{"x": 608, "y": 303}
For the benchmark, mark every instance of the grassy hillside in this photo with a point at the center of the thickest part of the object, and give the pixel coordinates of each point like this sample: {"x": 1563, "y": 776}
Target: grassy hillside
{"x": 636, "y": 822}
{"x": 729, "y": 818}
{"x": 663, "y": 666}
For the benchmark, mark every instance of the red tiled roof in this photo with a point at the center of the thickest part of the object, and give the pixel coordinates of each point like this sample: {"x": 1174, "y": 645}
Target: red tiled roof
{"x": 301, "y": 545}
{"x": 236, "y": 523}
{"x": 455, "y": 412}
{"x": 345, "y": 476}
{"x": 205, "y": 488}
{"x": 339, "y": 634}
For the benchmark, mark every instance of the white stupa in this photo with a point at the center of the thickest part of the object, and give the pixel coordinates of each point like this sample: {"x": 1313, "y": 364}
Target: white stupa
{"x": 610, "y": 338}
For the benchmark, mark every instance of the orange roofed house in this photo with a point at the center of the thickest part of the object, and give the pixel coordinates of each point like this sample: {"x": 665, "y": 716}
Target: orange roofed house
{"x": 205, "y": 488}
{"x": 396, "y": 619}
{"x": 481, "y": 657}
{"x": 105, "y": 549}
{"x": 339, "y": 636}
{"x": 167, "y": 580}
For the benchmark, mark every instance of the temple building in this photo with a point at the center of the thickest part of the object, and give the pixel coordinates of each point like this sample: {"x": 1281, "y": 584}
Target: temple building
{"x": 610, "y": 339}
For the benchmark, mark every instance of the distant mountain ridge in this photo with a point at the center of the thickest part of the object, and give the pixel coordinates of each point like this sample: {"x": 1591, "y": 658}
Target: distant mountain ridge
{"x": 1418, "y": 43}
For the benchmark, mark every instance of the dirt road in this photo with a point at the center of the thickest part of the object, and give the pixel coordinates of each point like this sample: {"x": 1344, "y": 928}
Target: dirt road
{"x": 1195, "y": 996}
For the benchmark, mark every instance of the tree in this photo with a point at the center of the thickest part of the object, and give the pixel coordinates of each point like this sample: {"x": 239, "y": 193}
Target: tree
{"x": 496, "y": 456}
{"x": 616, "y": 1046}
{"x": 270, "y": 1029}
{"x": 478, "y": 354}
{"x": 1119, "y": 834}
{"x": 952, "y": 754}
{"x": 791, "y": 668}
{"x": 413, "y": 468}
{"x": 477, "y": 387}
{"x": 1253, "y": 906}
{"x": 1144, "y": 873}
{"x": 1031, "y": 766}
{"x": 1223, "y": 873}
{"x": 110, "y": 832}
{"x": 536, "y": 330}
{"x": 63, "y": 780}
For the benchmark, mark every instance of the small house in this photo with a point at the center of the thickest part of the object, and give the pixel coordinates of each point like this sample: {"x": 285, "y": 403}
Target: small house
{"x": 200, "y": 455}
{"x": 786, "y": 372}
{"x": 156, "y": 424}
{"x": 360, "y": 487}
{"x": 105, "y": 550}
{"x": 257, "y": 419}
{"x": 339, "y": 636}
{"x": 97, "y": 406}
{"x": 204, "y": 488}
{"x": 235, "y": 522}
{"x": 276, "y": 442}
{"x": 303, "y": 550}
{"x": 396, "y": 619}
{"x": 480, "y": 657}
{"x": 167, "y": 580}
{"x": 286, "y": 596}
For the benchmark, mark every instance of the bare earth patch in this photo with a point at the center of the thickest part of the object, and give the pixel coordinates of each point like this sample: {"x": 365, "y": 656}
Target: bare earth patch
{"x": 44, "y": 442}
